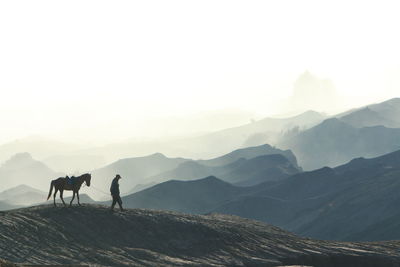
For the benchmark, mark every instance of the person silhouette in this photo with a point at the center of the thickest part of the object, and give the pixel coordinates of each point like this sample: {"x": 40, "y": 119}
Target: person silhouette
{"x": 114, "y": 189}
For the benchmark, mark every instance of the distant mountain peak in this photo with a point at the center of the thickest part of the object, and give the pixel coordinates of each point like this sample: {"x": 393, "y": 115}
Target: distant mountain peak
{"x": 22, "y": 156}
{"x": 19, "y": 159}
{"x": 158, "y": 155}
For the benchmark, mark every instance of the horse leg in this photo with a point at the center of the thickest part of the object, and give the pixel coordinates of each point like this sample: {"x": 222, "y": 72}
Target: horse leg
{"x": 54, "y": 197}
{"x": 77, "y": 195}
{"x": 61, "y": 196}
{"x": 73, "y": 196}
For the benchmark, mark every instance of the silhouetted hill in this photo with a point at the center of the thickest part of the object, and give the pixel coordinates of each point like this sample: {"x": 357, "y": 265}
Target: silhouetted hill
{"x": 93, "y": 235}
{"x": 332, "y": 203}
{"x": 328, "y": 203}
{"x": 196, "y": 196}
{"x": 260, "y": 132}
{"x": 258, "y": 170}
{"x": 23, "y": 169}
{"x": 365, "y": 118}
{"x": 386, "y": 114}
{"x": 242, "y": 171}
{"x": 23, "y": 195}
{"x": 334, "y": 142}
{"x": 39, "y": 147}
{"x": 249, "y": 153}
{"x": 134, "y": 170}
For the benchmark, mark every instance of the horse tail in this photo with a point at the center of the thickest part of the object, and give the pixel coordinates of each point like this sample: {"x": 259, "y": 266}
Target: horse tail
{"x": 51, "y": 189}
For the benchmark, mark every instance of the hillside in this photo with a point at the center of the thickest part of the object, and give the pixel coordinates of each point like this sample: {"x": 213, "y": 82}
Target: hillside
{"x": 334, "y": 142}
{"x": 197, "y": 196}
{"x": 242, "y": 171}
{"x": 328, "y": 203}
{"x": 134, "y": 170}
{"x": 6, "y": 206}
{"x": 93, "y": 235}
{"x": 249, "y": 153}
{"x": 386, "y": 114}
{"x": 23, "y": 195}
{"x": 23, "y": 169}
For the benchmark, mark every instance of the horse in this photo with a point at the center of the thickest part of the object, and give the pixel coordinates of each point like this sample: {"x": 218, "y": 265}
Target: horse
{"x": 61, "y": 184}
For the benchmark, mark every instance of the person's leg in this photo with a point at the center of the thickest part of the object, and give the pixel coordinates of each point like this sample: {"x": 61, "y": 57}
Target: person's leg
{"x": 120, "y": 202}
{"x": 113, "y": 202}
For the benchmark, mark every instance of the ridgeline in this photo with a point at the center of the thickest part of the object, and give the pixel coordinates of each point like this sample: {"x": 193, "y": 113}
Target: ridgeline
{"x": 93, "y": 235}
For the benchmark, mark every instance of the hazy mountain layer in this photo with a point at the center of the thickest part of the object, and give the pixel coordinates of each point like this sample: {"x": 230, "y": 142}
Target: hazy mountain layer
{"x": 95, "y": 236}
{"x": 210, "y": 145}
{"x": 334, "y": 142}
{"x": 242, "y": 171}
{"x": 37, "y": 146}
{"x": 386, "y": 114}
{"x": 23, "y": 195}
{"x": 199, "y": 196}
{"x": 133, "y": 171}
{"x": 74, "y": 164}
{"x": 249, "y": 153}
{"x": 23, "y": 169}
{"x": 326, "y": 203}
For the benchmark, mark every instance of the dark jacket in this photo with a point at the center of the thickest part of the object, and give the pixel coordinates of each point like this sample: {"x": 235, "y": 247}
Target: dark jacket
{"x": 114, "y": 189}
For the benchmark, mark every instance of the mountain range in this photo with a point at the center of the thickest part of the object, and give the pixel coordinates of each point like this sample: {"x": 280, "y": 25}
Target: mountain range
{"x": 386, "y": 114}
{"x": 23, "y": 169}
{"x": 364, "y": 132}
{"x": 328, "y": 203}
{"x": 248, "y": 166}
{"x": 23, "y": 195}
{"x": 334, "y": 142}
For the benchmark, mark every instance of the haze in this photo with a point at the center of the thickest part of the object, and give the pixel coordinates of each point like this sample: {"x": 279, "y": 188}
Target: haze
{"x": 99, "y": 71}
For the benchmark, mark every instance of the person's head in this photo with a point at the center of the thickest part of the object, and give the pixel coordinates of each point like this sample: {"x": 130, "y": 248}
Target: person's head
{"x": 118, "y": 176}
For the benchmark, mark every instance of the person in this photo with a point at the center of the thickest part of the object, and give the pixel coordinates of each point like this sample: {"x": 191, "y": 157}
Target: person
{"x": 114, "y": 189}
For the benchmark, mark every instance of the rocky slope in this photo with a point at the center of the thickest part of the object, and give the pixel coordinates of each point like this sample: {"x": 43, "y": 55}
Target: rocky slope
{"x": 93, "y": 235}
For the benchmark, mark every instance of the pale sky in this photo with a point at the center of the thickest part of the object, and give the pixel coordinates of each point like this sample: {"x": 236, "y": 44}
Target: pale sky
{"x": 119, "y": 68}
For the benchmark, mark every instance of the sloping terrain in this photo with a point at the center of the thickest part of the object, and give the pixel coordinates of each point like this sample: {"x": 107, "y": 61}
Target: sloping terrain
{"x": 4, "y": 263}
{"x": 134, "y": 170}
{"x": 144, "y": 172}
{"x": 6, "y": 206}
{"x": 23, "y": 169}
{"x": 23, "y": 195}
{"x": 334, "y": 142}
{"x": 242, "y": 171}
{"x": 198, "y": 196}
{"x": 386, "y": 114}
{"x": 249, "y": 153}
{"x": 330, "y": 203}
{"x": 326, "y": 203}
{"x": 93, "y": 235}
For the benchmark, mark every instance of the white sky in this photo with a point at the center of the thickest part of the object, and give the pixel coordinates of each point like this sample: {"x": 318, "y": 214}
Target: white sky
{"x": 109, "y": 66}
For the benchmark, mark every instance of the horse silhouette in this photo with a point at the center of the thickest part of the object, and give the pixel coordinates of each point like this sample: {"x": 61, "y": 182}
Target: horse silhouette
{"x": 61, "y": 184}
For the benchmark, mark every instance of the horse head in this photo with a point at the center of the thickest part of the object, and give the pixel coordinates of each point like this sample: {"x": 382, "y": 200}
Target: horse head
{"x": 87, "y": 178}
